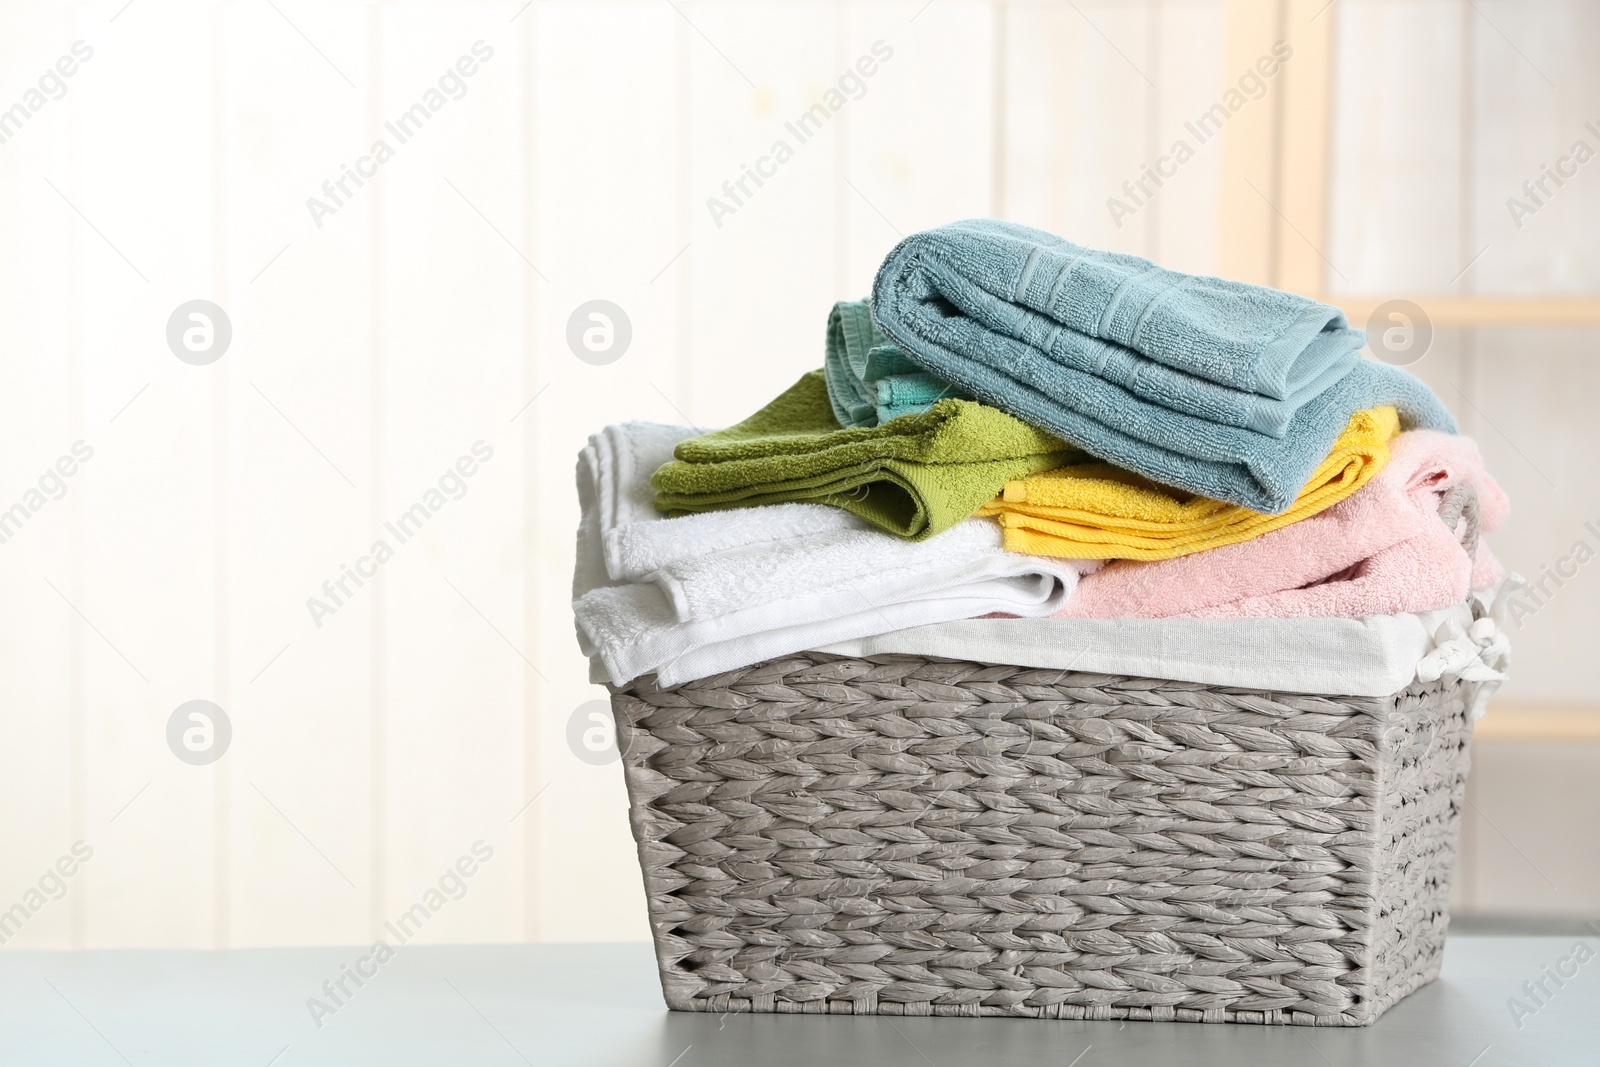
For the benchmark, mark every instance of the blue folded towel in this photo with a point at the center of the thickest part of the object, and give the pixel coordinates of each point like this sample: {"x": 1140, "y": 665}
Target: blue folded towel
{"x": 1232, "y": 391}
{"x": 870, "y": 381}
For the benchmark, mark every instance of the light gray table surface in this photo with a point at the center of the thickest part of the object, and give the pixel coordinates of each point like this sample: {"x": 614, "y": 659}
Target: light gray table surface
{"x": 601, "y": 1004}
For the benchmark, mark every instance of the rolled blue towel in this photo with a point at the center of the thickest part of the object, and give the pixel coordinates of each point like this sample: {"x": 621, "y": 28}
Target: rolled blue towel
{"x": 1232, "y": 391}
{"x": 870, "y": 381}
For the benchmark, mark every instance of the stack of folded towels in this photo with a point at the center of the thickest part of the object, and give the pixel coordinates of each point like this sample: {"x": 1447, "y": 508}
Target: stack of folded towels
{"x": 1018, "y": 427}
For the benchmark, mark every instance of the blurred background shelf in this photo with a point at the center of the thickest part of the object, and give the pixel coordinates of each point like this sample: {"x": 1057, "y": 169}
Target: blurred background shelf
{"x": 1482, "y": 310}
{"x": 1511, "y": 722}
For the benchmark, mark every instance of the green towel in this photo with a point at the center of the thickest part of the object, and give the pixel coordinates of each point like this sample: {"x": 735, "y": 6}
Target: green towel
{"x": 913, "y": 476}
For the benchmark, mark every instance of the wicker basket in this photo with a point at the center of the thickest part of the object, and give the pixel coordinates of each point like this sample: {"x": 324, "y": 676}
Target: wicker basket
{"x": 907, "y": 836}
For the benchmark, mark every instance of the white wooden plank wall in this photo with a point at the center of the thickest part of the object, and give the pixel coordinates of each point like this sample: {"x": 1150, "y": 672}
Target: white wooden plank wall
{"x": 429, "y": 312}
{"x": 1443, "y": 111}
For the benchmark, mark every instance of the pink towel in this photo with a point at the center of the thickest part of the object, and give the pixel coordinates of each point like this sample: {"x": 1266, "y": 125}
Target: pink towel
{"x": 1382, "y": 551}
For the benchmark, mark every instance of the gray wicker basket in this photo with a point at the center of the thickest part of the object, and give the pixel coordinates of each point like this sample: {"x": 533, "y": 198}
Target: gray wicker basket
{"x": 907, "y": 836}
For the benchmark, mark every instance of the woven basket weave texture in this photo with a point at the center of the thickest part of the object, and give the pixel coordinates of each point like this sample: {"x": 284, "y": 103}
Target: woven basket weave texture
{"x": 909, "y": 836}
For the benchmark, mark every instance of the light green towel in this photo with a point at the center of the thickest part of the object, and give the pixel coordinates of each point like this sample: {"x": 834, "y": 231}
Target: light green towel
{"x": 914, "y": 476}
{"x": 870, "y": 381}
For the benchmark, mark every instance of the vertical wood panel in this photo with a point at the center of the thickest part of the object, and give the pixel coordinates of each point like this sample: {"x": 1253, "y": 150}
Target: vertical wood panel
{"x": 1539, "y": 94}
{"x": 1190, "y": 69}
{"x": 1029, "y": 165}
{"x": 999, "y": 126}
{"x": 1305, "y": 84}
{"x": 761, "y": 313}
{"x": 1393, "y": 217}
{"x": 152, "y": 525}
{"x": 41, "y": 693}
{"x": 920, "y": 142}
{"x": 1539, "y": 436}
{"x": 77, "y": 696}
{"x": 1099, "y": 137}
{"x": 1062, "y": 166}
{"x": 603, "y": 194}
{"x": 534, "y": 485}
{"x": 453, "y": 368}
{"x": 1466, "y": 204}
{"x": 219, "y": 226}
{"x": 302, "y": 490}
{"x": 1249, "y": 195}
{"x": 377, "y": 300}
{"x": 1087, "y": 123}
{"x": 1150, "y": 60}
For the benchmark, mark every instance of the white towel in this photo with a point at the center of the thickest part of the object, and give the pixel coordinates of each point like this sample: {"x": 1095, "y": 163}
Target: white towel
{"x": 621, "y": 460}
{"x": 731, "y": 588}
{"x": 1372, "y": 656}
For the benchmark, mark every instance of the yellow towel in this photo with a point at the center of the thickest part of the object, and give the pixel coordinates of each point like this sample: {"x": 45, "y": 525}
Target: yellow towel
{"x": 1097, "y": 511}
